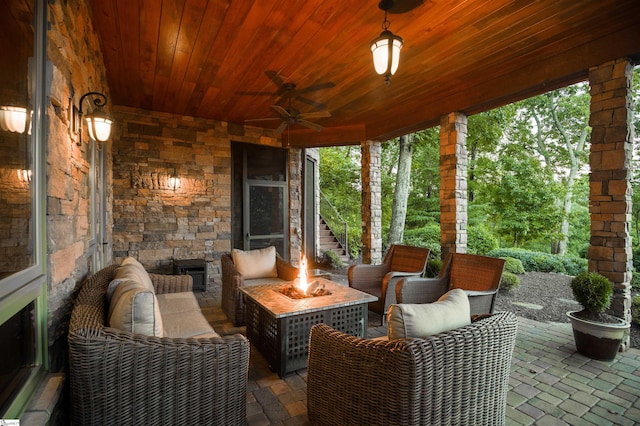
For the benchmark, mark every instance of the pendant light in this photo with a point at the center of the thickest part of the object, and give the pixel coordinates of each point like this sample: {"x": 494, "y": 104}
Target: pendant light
{"x": 386, "y": 47}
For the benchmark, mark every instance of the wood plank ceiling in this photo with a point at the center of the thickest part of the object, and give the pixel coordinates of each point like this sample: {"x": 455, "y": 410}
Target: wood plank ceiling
{"x": 216, "y": 59}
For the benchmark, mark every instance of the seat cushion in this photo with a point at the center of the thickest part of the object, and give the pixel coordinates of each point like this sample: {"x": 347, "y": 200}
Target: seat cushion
{"x": 449, "y": 312}
{"x": 135, "y": 309}
{"x": 173, "y": 303}
{"x": 187, "y": 324}
{"x": 260, "y": 263}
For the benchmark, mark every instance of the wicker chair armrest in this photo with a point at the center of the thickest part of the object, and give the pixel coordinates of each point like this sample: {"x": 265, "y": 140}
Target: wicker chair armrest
{"x": 367, "y": 277}
{"x": 171, "y": 283}
{"x": 473, "y": 293}
{"x": 421, "y": 290}
{"x": 286, "y": 271}
{"x": 123, "y": 378}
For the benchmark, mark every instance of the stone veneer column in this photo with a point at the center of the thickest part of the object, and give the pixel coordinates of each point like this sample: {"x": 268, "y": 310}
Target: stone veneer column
{"x": 371, "y": 202}
{"x": 453, "y": 183}
{"x": 295, "y": 204}
{"x": 611, "y": 120}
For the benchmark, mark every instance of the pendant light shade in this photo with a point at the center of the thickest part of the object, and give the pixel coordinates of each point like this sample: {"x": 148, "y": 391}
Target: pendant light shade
{"x": 386, "y": 53}
{"x": 386, "y": 48}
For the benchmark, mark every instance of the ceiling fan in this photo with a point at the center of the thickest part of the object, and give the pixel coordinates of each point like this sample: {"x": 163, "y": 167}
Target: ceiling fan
{"x": 291, "y": 116}
{"x": 290, "y": 90}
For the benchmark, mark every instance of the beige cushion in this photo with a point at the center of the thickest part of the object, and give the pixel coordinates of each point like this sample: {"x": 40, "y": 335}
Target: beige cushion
{"x": 187, "y": 324}
{"x": 259, "y": 263}
{"x": 129, "y": 270}
{"x": 172, "y": 303}
{"x": 449, "y": 312}
{"x": 135, "y": 309}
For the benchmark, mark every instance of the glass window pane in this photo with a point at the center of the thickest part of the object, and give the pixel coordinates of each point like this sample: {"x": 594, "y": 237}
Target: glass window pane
{"x": 16, "y": 104}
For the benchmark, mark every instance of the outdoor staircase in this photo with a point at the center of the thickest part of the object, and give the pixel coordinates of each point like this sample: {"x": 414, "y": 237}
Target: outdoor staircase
{"x": 328, "y": 241}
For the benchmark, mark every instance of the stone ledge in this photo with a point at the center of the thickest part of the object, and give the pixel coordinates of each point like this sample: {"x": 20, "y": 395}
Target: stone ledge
{"x": 44, "y": 405}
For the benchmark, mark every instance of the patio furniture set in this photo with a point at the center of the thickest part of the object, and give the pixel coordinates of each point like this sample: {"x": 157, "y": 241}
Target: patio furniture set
{"x": 152, "y": 361}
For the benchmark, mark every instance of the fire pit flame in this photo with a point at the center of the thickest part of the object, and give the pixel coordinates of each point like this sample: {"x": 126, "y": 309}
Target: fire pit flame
{"x": 300, "y": 287}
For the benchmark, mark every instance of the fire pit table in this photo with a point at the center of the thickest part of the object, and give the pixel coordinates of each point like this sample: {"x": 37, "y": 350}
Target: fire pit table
{"x": 278, "y": 325}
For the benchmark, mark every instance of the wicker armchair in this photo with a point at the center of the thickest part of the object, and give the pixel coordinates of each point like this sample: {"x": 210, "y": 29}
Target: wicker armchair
{"x": 232, "y": 280}
{"x": 478, "y": 276}
{"x": 122, "y": 378}
{"x": 380, "y": 280}
{"x": 456, "y": 377}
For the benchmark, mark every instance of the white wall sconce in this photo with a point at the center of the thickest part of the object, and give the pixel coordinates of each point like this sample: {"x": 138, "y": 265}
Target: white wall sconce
{"x": 13, "y": 119}
{"x": 386, "y": 47}
{"x": 98, "y": 122}
{"x": 24, "y": 175}
{"x": 174, "y": 181}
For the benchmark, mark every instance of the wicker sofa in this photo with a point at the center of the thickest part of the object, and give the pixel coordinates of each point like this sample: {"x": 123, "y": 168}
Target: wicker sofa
{"x": 233, "y": 279}
{"x": 118, "y": 377}
{"x": 456, "y": 377}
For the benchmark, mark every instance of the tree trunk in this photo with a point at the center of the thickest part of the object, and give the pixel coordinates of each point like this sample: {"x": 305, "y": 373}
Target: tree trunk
{"x": 401, "y": 191}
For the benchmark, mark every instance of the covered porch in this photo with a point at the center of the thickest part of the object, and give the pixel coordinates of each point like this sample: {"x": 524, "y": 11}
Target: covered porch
{"x": 191, "y": 84}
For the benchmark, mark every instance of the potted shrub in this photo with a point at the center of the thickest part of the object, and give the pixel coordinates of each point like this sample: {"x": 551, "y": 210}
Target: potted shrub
{"x": 597, "y": 335}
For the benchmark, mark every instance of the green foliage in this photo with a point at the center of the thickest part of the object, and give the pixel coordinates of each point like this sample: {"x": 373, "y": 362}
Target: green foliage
{"x": 433, "y": 267}
{"x": 635, "y": 309}
{"x": 330, "y": 259}
{"x": 426, "y": 236}
{"x": 635, "y": 281}
{"x": 592, "y": 290}
{"x": 513, "y": 265}
{"x": 481, "y": 241}
{"x": 522, "y": 196}
{"x": 535, "y": 261}
{"x": 573, "y": 264}
{"x": 509, "y": 281}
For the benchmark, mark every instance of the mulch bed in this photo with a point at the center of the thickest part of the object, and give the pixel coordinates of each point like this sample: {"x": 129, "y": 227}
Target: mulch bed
{"x": 546, "y": 297}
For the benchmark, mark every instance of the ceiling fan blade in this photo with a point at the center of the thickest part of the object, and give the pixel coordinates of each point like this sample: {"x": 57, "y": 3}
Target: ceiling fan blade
{"x": 282, "y": 126}
{"x": 257, "y": 93}
{"x": 320, "y": 86}
{"x": 262, "y": 119}
{"x": 317, "y": 114}
{"x": 275, "y": 78}
{"x": 283, "y": 112}
{"x": 316, "y": 105}
{"x": 311, "y": 125}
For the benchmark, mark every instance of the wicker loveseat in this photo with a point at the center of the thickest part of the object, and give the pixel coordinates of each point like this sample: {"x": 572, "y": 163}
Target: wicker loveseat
{"x": 456, "y": 377}
{"x": 120, "y": 378}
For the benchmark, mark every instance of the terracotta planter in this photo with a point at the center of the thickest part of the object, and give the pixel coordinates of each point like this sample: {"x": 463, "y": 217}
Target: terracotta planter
{"x": 597, "y": 340}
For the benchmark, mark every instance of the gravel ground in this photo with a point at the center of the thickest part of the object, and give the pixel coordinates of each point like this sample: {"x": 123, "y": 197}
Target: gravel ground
{"x": 546, "y": 297}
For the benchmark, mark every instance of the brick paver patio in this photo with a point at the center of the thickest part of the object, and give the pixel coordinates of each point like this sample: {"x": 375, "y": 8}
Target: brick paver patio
{"x": 550, "y": 383}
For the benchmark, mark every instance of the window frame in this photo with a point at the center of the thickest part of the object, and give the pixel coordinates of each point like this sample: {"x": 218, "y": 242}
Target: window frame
{"x": 30, "y": 285}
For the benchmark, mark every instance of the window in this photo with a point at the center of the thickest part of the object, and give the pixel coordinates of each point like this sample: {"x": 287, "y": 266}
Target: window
{"x": 22, "y": 248}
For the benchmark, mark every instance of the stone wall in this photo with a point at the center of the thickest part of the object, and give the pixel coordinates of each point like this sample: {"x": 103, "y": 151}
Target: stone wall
{"x": 75, "y": 67}
{"x": 158, "y": 224}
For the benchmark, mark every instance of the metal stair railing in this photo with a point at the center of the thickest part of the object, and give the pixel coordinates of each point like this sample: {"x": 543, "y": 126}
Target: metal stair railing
{"x": 334, "y": 221}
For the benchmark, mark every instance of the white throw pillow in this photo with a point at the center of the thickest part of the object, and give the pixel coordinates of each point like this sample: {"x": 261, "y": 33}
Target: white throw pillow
{"x": 449, "y": 312}
{"x": 253, "y": 264}
{"x": 135, "y": 309}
